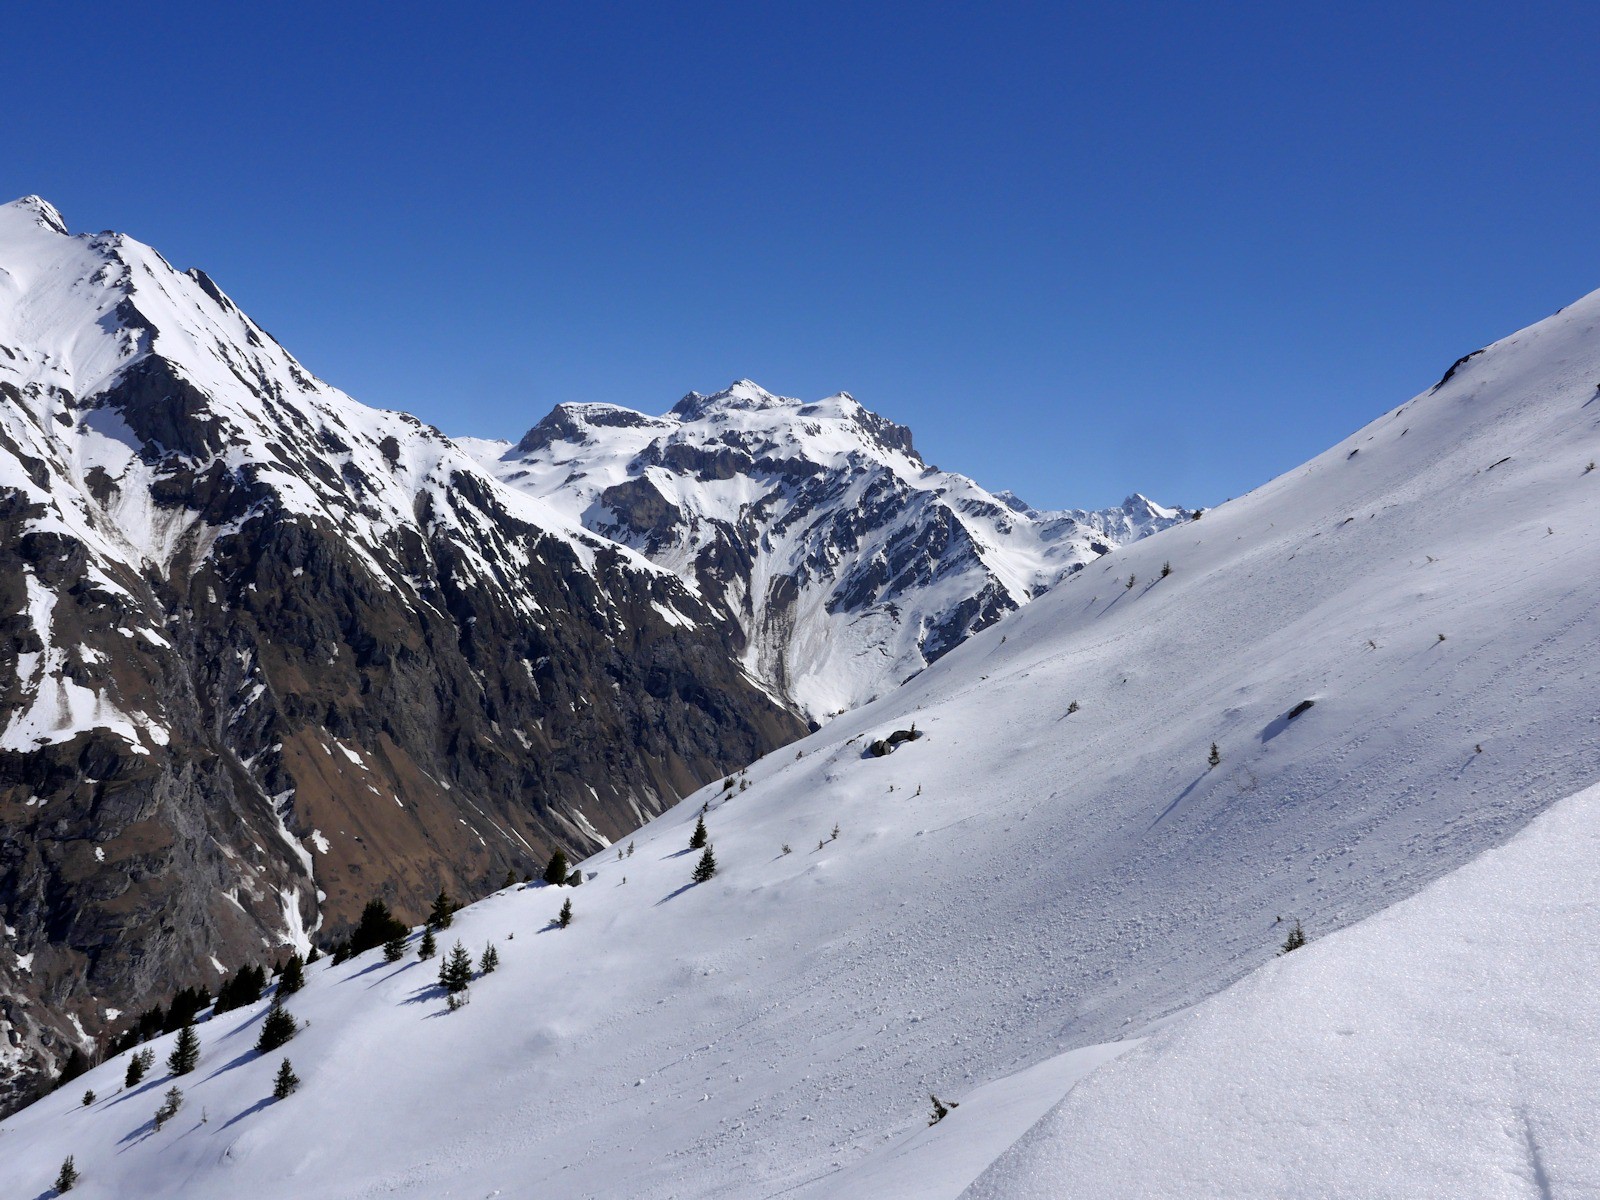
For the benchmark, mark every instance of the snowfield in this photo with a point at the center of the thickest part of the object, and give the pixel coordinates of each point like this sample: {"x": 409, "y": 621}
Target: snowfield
{"x": 1028, "y": 880}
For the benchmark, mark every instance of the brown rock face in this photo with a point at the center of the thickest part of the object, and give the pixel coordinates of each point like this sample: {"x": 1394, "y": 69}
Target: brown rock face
{"x": 266, "y": 654}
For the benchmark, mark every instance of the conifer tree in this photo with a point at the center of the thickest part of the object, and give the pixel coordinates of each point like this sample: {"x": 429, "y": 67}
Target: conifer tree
{"x": 707, "y": 867}
{"x": 427, "y": 948}
{"x": 556, "y": 873}
{"x": 490, "y": 959}
{"x": 293, "y": 977}
{"x": 1215, "y": 756}
{"x": 455, "y": 970}
{"x": 1296, "y": 939}
{"x": 185, "y": 1051}
{"x": 565, "y": 918}
{"x": 394, "y": 949}
{"x": 377, "y": 926}
{"x": 67, "y": 1177}
{"x": 278, "y": 1027}
{"x": 88, "y": 1098}
{"x": 699, "y": 837}
{"x": 443, "y": 911}
{"x": 284, "y": 1085}
{"x": 170, "y": 1104}
{"x": 313, "y": 956}
{"x": 137, "y": 1066}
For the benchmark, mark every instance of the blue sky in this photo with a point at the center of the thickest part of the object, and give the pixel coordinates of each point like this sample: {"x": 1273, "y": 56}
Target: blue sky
{"x": 1079, "y": 249}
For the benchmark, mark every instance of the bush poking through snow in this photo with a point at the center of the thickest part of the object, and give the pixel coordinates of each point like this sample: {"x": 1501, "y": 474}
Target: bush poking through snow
{"x": 284, "y": 1084}
{"x": 1215, "y": 757}
{"x": 706, "y": 867}
{"x": 940, "y": 1110}
{"x": 67, "y": 1177}
{"x": 456, "y": 1001}
{"x": 1296, "y": 939}
{"x": 565, "y": 918}
{"x": 1072, "y": 708}
{"x": 185, "y": 1051}
{"x": 699, "y": 837}
{"x": 427, "y": 947}
{"x": 278, "y": 1027}
{"x": 455, "y": 972}
{"x": 170, "y": 1104}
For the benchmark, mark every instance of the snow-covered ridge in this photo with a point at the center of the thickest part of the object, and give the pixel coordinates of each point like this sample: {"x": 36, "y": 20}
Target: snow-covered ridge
{"x": 847, "y": 562}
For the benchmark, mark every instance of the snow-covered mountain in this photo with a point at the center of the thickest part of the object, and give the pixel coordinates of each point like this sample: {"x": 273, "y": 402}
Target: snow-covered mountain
{"x": 814, "y": 530}
{"x": 265, "y": 651}
{"x": 1352, "y": 682}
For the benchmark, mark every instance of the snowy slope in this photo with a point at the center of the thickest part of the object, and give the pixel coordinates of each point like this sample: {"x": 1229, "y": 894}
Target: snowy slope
{"x": 1019, "y": 883}
{"x": 1443, "y": 1047}
{"x": 815, "y": 529}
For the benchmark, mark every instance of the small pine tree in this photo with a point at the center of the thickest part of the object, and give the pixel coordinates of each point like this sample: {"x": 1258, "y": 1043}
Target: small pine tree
{"x": 556, "y": 873}
{"x": 185, "y": 1054}
{"x": 455, "y": 970}
{"x": 293, "y": 977}
{"x": 1166, "y": 569}
{"x": 788, "y": 849}
{"x": 1215, "y": 757}
{"x": 394, "y": 949}
{"x": 706, "y": 867}
{"x": 1296, "y": 939}
{"x": 313, "y": 956}
{"x": 1132, "y": 579}
{"x": 489, "y": 961}
{"x": 88, "y": 1098}
{"x": 284, "y": 1085}
{"x": 137, "y": 1066}
{"x": 276, "y": 1029}
{"x": 1072, "y": 708}
{"x": 630, "y": 849}
{"x": 427, "y": 947}
{"x": 699, "y": 837}
{"x": 170, "y": 1104}
{"x": 443, "y": 911}
{"x": 565, "y": 918}
{"x": 835, "y": 836}
{"x": 67, "y": 1177}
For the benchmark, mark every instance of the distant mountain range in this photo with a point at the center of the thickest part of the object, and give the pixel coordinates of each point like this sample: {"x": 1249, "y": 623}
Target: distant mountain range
{"x": 268, "y": 652}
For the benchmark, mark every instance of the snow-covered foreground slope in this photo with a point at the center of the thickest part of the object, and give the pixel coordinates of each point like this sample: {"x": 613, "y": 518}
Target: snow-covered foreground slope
{"x": 1444, "y": 1047}
{"x": 1022, "y": 881}
{"x": 843, "y": 561}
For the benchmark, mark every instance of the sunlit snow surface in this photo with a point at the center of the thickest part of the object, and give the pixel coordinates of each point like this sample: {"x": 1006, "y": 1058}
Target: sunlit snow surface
{"x": 1021, "y": 883}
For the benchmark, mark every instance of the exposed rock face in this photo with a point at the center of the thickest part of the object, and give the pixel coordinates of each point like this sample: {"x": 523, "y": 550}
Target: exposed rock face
{"x": 844, "y": 563}
{"x": 265, "y": 653}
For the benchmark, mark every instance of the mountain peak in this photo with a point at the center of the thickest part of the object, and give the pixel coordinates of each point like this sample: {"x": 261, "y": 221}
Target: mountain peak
{"x": 742, "y": 395}
{"x": 38, "y": 210}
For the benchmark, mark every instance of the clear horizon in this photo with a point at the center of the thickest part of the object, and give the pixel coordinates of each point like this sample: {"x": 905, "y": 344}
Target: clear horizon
{"x": 1142, "y": 248}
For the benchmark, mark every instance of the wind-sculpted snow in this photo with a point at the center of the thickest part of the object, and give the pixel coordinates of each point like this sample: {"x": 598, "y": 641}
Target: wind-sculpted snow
{"x": 1054, "y": 865}
{"x": 847, "y": 563}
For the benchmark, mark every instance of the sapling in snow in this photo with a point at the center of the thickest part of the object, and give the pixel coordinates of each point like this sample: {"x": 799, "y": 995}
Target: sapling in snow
{"x": 1296, "y": 939}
